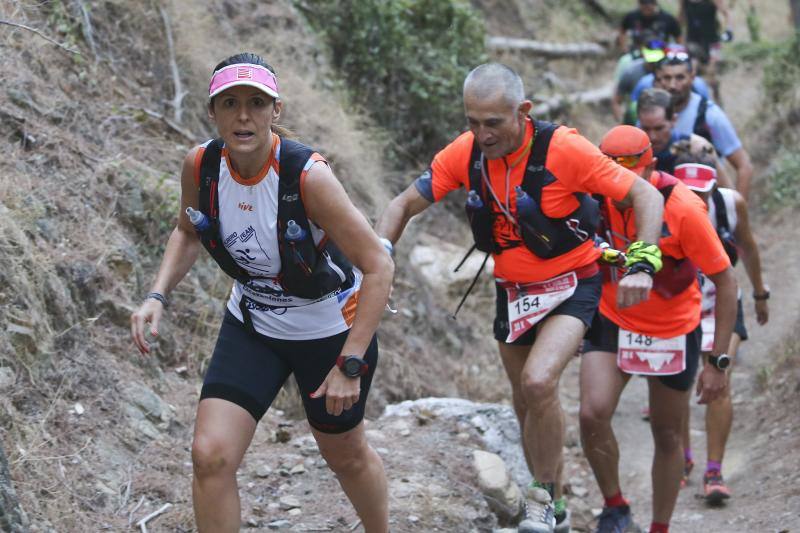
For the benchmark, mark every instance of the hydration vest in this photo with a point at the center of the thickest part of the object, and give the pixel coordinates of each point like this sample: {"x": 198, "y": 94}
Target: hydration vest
{"x": 544, "y": 236}
{"x": 307, "y": 270}
{"x": 676, "y": 275}
{"x": 724, "y": 230}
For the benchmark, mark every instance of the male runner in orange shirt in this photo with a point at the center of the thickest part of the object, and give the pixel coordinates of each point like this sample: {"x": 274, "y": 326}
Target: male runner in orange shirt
{"x": 659, "y": 337}
{"x": 548, "y": 285}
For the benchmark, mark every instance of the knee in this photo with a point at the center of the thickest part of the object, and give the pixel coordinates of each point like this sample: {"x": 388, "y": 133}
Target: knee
{"x": 667, "y": 438}
{"x": 594, "y": 416}
{"x": 539, "y": 392}
{"x": 210, "y": 458}
{"x": 347, "y": 460}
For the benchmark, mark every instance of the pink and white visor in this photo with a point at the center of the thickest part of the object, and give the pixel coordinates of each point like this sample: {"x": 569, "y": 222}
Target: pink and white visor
{"x": 243, "y": 74}
{"x": 701, "y": 178}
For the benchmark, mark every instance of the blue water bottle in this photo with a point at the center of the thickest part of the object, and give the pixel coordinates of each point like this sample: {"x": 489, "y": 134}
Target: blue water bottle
{"x": 525, "y": 204}
{"x": 198, "y": 219}
{"x": 294, "y": 232}
{"x": 474, "y": 201}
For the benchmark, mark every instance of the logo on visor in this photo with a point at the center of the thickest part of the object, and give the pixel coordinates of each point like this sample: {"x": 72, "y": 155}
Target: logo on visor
{"x": 244, "y": 73}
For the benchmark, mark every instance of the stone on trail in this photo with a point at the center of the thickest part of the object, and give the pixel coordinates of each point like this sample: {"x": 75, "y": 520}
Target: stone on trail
{"x": 501, "y": 492}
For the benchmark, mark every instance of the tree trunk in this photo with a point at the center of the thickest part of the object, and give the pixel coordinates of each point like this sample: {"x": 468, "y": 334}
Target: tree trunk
{"x": 12, "y": 518}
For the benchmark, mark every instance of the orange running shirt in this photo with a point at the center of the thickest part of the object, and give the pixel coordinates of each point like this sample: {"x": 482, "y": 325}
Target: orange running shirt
{"x": 690, "y": 235}
{"x": 577, "y": 165}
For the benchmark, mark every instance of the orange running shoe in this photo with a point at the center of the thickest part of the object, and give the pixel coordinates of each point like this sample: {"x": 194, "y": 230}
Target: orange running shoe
{"x": 714, "y": 488}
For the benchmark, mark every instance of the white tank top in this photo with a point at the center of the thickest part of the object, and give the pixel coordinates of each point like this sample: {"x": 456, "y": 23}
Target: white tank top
{"x": 730, "y": 209}
{"x": 248, "y": 216}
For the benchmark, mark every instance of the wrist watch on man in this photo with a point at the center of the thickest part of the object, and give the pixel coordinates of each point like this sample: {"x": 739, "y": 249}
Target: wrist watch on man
{"x": 720, "y": 362}
{"x": 761, "y": 295}
{"x": 352, "y": 366}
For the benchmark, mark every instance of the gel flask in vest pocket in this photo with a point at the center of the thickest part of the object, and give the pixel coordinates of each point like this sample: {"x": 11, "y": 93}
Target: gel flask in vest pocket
{"x": 534, "y": 227}
{"x": 198, "y": 219}
{"x": 474, "y": 201}
{"x": 294, "y": 232}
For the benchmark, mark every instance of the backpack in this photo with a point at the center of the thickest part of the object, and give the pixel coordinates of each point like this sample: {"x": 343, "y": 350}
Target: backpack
{"x": 723, "y": 227}
{"x": 544, "y": 236}
{"x": 700, "y": 125}
{"x": 307, "y": 270}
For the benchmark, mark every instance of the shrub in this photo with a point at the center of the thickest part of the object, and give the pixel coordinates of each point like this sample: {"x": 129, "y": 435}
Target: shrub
{"x": 405, "y": 62}
{"x": 783, "y": 185}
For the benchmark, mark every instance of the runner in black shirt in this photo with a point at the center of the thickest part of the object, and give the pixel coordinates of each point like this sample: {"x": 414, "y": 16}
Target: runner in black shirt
{"x": 649, "y": 16}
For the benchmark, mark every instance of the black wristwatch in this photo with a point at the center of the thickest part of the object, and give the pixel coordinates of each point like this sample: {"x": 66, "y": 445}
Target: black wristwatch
{"x": 352, "y": 366}
{"x": 762, "y": 296}
{"x": 720, "y": 362}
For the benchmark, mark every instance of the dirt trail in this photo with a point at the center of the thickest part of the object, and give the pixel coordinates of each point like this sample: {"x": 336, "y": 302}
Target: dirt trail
{"x": 761, "y": 463}
{"x": 760, "y": 501}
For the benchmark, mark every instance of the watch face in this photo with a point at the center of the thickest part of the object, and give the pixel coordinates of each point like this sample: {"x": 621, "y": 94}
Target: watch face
{"x": 723, "y": 362}
{"x": 352, "y": 367}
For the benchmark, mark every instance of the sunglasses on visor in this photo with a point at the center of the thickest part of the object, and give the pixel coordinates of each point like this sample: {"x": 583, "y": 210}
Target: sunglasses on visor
{"x": 630, "y": 160}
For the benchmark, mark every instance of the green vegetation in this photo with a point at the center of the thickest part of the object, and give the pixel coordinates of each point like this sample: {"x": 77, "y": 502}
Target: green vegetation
{"x": 781, "y": 82}
{"x": 784, "y": 181}
{"x": 404, "y": 61}
{"x": 782, "y": 72}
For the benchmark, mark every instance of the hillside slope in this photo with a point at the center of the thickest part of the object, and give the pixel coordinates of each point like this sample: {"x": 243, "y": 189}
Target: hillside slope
{"x": 97, "y": 436}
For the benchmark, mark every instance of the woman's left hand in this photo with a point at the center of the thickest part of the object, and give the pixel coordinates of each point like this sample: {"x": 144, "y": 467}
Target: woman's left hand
{"x": 340, "y": 391}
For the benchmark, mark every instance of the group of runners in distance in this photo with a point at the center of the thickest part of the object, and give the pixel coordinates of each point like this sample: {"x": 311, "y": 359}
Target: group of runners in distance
{"x": 620, "y": 254}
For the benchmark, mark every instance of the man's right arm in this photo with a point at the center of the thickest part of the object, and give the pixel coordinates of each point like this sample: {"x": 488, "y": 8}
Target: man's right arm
{"x": 399, "y": 211}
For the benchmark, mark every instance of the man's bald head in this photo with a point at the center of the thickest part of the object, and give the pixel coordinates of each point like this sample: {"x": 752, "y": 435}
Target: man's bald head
{"x": 489, "y": 80}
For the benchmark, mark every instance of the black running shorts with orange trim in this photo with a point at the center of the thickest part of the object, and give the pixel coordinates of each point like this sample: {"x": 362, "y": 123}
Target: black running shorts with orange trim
{"x": 249, "y": 370}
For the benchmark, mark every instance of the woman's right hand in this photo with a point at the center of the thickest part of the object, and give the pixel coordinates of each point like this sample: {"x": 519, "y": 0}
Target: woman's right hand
{"x": 147, "y": 316}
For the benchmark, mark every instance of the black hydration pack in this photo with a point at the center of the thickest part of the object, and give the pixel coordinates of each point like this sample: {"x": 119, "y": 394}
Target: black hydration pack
{"x": 544, "y": 236}
{"x": 724, "y": 230}
{"x": 307, "y": 270}
{"x": 701, "y": 127}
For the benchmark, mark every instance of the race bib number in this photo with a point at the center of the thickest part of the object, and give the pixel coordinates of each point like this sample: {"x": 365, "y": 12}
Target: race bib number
{"x": 708, "y": 320}
{"x": 529, "y": 303}
{"x": 650, "y": 356}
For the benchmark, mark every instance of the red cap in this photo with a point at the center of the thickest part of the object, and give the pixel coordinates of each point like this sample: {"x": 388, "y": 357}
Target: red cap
{"x": 629, "y": 146}
{"x": 697, "y": 177}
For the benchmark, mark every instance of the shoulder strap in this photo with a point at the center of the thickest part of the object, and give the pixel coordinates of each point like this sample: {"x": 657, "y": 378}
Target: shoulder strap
{"x": 209, "y": 178}
{"x": 535, "y": 177}
{"x": 700, "y": 124}
{"x": 665, "y": 184}
{"x": 543, "y": 132}
{"x": 292, "y": 160}
{"x": 474, "y": 169}
{"x": 721, "y": 210}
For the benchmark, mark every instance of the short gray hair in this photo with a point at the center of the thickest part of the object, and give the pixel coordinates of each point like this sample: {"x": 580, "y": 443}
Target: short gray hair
{"x": 487, "y": 80}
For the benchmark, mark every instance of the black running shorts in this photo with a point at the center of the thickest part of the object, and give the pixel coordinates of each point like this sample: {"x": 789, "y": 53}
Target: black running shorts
{"x": 582, "y": 305}
{"x": 250, "y": 369}
{"x": 604, "y": 337}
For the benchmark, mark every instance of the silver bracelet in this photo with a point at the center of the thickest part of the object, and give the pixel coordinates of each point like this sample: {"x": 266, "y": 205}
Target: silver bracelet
{"x": 157, "y": 296}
